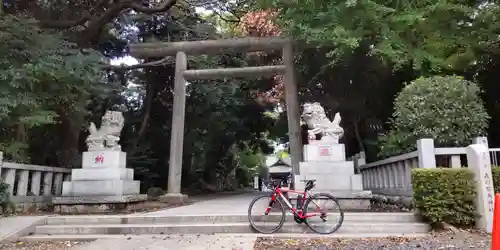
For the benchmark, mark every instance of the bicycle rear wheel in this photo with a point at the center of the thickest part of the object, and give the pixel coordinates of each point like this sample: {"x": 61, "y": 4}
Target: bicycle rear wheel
{"x": 258, "y": 218}
{"x": 330, "y": 213}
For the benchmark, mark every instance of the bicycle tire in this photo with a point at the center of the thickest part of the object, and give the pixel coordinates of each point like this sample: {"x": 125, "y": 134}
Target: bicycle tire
{"x": 330, "y": 197}
{"x": 282, "y": 220}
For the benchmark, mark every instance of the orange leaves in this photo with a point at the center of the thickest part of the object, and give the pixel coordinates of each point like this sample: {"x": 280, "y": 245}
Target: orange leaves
{"x": 259, "y": 24}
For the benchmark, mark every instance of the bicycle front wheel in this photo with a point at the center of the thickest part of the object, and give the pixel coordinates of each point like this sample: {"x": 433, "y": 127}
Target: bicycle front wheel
{"x": 262, "y": 222}
{"x": 326, "y": 215}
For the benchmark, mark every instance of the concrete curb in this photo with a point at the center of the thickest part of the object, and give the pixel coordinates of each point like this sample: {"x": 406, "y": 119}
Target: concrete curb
{"x": 24, "y": 231}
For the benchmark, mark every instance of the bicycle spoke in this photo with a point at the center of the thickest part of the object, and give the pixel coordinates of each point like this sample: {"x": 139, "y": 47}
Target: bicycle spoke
{"x": 263, "y": 218}
{"x": 323, "y": 213}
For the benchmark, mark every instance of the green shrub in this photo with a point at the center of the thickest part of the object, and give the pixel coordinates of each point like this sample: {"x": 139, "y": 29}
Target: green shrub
{"x": 447, "y": 109}
{"x": 5, "y": 202}
{"x": 445, "y": 195}
{"x": 495, "y": 171}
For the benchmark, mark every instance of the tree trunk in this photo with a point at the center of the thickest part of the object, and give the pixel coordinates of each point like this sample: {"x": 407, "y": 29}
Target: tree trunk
{"x": 147, "y": 113}
{"x": 71, "y": 125}
{"x": 357, "y": 134}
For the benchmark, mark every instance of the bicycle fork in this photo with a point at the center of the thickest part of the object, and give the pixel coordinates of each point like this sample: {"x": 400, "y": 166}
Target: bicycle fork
{"x": 270, "y": 205}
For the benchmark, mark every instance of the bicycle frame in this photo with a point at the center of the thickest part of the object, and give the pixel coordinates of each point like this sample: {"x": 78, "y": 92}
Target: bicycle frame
{"x": 278, "y": 193}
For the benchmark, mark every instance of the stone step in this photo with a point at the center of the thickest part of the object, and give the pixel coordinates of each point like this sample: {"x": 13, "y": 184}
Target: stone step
{"x": 86, "y": 237}
{"x": 157, "y": 219}
{"x": 208, "y": 228}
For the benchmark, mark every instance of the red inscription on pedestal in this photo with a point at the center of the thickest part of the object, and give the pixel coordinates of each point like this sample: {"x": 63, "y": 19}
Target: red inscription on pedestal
{"x": 99, "y": 159}
{"x": 324, "y": 151}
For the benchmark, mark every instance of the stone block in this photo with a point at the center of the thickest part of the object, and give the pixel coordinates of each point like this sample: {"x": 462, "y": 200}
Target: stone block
{"x": 105, "y": 158}
{"x": 324, "y": 167}
{"x": 478, "y": 160}
{"x": 324, "y": 152}
{"x": 101, "y": 188}
{"x": 173, "y": 198}
{"x": 325, "y": 182}
{"x": 357, "y": 182}
{"x": 96, "y": 204}
{"x": 89, "y": 174}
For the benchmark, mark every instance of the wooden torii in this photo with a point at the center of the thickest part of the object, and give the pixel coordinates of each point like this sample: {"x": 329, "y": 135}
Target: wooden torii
{"x": 215, "y": 47}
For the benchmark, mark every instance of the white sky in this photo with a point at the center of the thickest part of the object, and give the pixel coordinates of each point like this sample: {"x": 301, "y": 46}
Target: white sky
{"x": 128, "y": 60}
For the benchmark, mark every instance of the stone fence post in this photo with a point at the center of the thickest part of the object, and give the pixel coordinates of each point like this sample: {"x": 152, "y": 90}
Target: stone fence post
{"x": 426, "y": 155}
{"x": 1, "y": 163}
{"x": 481, "y": 140}
{"x": 478, "y": 160}
{"x": 362, "y": 158}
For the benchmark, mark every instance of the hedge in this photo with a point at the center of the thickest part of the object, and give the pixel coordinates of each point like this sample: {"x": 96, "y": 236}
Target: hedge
{"x": 445, "y": 195}
{"x": 495, "y": 171}
{"x": 4, "y": 197}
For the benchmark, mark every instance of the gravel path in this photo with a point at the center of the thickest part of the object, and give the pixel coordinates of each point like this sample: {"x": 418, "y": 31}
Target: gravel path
{"x": 444, "y": 240}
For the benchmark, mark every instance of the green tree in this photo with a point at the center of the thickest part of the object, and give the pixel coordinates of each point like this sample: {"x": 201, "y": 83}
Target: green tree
{"x": 427, "y": 34}
{"x": 447, "y": 109}
{"x": 43, "y": 80}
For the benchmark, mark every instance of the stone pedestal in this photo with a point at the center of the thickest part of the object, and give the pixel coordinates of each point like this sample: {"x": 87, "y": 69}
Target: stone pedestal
{"x": 326, "y": 163}
{"x": 317, "y": 151}
{"x": 103, "y": 184}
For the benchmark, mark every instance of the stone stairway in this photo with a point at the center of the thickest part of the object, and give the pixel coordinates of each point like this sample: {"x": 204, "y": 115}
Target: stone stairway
{"x": 91, "y": 227}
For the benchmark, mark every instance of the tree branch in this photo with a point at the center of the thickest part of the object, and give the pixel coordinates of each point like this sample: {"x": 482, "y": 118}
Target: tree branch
{"x": 237, "y": 20}
{"x": 162, "y": 62}
{"x": 97, "y": 22}
{"x": 64, "y": 24}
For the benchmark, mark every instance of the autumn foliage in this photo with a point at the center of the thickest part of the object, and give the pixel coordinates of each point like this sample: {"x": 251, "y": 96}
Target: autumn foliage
{"x": 260, "y": 24}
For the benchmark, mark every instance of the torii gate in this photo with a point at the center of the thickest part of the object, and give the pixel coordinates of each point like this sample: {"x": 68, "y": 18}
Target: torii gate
{"x": 182, "y": 75}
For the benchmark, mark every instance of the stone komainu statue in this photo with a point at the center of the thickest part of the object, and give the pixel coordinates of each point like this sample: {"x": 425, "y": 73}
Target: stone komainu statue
{"x": 315, "y": 117}
{"x": 108, "y": 135}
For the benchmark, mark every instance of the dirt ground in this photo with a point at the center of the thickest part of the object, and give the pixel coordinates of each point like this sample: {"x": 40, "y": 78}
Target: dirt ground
{"x": 465, "y": 239}
{"x": 59, "y": 245}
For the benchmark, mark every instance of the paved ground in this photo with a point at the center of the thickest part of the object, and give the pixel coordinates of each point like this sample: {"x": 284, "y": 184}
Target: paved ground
{"x": 14, "y": 226}
{"x": 178, "y": 242}
{"x": 235, "y": 204}
{"x": 225, "y": 204}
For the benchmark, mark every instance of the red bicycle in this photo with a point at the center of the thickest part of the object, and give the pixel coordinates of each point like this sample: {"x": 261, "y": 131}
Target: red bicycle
{"x": 305, "y": 203}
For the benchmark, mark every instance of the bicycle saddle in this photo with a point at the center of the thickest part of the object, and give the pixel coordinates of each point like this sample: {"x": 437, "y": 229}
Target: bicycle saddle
{"x": 312, "y": 180}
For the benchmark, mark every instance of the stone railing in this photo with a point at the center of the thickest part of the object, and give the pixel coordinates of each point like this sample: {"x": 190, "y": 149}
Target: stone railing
{"x": 392, "y": 176}
{"x": 32, "y": 184}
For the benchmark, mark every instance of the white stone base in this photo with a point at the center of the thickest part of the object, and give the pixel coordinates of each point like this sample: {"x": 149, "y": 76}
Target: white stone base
{"x": 328, "y": 182}
{"x": 106, "y": 158}
{"x": 96, "y": 204}
{"x": 101, "y": 188}
{"x": 344, "y": 168}
{"x": 357, "y": 182}
{"x": 100, "y": 174}
{"x": 324, "y": 152}
{"x": 75, "y": 200}
{"x": 330, "y": 176}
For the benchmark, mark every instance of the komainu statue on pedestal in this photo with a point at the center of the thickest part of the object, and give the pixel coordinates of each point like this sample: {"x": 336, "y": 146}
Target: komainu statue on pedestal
{"x": 315, "y": 117}
{"x": 108, "y": 135}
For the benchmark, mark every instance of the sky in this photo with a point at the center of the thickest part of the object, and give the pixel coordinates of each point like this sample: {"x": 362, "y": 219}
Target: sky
{"x": 128, "y": 60}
